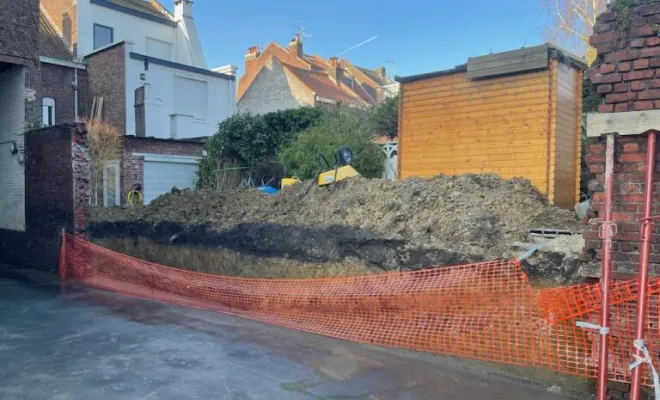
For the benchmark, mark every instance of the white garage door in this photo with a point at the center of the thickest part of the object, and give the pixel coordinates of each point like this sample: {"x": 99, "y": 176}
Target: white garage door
{"x": 162, "y": 173}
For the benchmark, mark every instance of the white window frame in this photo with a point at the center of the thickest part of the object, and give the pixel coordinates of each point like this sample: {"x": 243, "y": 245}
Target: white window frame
{"x": 114, "y": 163}
{"x": 48, "y": 111}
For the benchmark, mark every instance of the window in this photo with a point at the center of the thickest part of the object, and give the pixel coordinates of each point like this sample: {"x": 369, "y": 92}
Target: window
{"x": 48, "y": 111}
{"x": 159, "y": 49}
{"x": 191, "y": 97}
{"x": 111, "y": 184}
{"x": 103, "y": 36}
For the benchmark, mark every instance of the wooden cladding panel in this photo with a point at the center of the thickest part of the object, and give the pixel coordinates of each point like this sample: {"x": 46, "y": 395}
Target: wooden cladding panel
{"x": 453, "y": 125}
{"x": 566, "y": 159}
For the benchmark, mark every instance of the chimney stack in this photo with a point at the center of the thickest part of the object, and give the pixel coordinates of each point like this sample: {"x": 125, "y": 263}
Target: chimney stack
{"x": 296, "y": 46}
{"x": 251, "y": 57}
{"x": 183, "y": 8}
{"x": 381, "y": 72}
{"x": 335, "y": 70}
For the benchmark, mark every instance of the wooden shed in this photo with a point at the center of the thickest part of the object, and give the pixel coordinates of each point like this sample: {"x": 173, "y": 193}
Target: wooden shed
{"x": 516, "y": 113}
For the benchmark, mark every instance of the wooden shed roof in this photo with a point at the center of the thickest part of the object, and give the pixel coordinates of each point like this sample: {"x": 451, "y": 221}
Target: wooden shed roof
{"x": 506, "y": 63}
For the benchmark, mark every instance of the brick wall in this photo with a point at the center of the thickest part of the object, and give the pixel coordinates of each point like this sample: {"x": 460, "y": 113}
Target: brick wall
{"x": 627, "y": 70}
{"x": 627, "y": 76}
{"x": 19, "y": 43}
{"x": 106, "y": 72}
{"x": 57, "y": 83}
{"x": 19, "y": 28}
{"x": 132, "y": 167}
{"x": 57, "y": 173}
{"x": 629, "y": 175}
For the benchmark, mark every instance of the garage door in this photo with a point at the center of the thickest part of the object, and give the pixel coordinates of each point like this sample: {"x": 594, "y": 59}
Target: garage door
{"x": 162, "y": 174}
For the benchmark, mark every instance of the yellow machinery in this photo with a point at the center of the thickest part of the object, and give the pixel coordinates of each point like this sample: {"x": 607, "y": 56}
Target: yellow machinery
{"x": 286, "y": 182}
{"x": 331, "y": 174}
{"x": 336, "y": 175}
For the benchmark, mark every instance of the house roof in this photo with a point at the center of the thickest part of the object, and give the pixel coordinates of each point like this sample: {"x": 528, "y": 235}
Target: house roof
{"x": 375, "y": 76}
{"x": 51, "y": 43}
{"x": 356, "y": 87}
{"x": 508, "y": 62}
{"x": 151, "y": 9}
{"x": 321, "y": 84}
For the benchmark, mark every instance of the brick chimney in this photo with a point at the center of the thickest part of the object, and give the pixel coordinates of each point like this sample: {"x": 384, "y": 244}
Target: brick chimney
{"x": 251, "y": 57}
{"x": 296, "y": 46}
{"x": 626, "y": 72}
{"x": 335, "y": 71}
{"x": 381, "y": 72}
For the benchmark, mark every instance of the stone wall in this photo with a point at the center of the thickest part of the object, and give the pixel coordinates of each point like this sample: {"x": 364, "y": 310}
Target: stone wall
{"x": 57, "y": 175}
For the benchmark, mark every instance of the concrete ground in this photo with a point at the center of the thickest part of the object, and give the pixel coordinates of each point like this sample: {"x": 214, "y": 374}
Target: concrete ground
{"x": 77, "y": 343}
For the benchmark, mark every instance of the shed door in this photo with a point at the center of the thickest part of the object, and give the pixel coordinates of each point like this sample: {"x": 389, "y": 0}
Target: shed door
{"x": 161, "y": 176}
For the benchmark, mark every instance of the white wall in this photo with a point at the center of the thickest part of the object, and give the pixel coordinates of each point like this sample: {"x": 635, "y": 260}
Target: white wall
{"x": 161, "y": 101}
{"x": 12, "y": 173}
{"x": 129, "y": 28}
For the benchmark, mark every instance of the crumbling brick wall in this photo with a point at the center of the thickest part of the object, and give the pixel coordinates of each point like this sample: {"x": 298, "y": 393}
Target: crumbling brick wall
{"x": 627, "y": 76}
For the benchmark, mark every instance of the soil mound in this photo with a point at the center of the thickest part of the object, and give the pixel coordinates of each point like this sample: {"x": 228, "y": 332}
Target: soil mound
{"x": 413, "y": 223}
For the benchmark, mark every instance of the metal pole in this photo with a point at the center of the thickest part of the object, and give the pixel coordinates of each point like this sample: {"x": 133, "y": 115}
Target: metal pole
{"x": 645, "y": 249}
{"x": 607, "y": 231}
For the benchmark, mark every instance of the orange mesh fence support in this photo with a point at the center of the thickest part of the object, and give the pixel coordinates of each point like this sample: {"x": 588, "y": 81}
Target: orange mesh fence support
{"x": 486, "y": 311}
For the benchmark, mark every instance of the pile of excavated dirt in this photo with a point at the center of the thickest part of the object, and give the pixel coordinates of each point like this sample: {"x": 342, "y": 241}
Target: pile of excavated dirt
{"x": 415, "y": 223}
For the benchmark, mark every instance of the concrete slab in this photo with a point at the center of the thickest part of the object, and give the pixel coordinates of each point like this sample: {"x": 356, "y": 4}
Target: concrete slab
{"x": 69, "y": 342}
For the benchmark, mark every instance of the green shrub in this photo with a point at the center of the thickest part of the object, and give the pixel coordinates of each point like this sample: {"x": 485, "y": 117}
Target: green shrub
{"x": 384, "y": 118}
{"x": 251, "y": 142}
{"x": 338, "y": 128}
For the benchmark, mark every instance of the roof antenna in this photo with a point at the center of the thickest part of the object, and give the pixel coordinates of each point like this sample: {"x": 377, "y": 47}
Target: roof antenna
{"x": 358, "y": 45}
{"x": 300, "y": 32}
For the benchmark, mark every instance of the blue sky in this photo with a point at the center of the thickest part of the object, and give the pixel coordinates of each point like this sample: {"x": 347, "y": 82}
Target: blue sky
{"x": 418, "y": 36}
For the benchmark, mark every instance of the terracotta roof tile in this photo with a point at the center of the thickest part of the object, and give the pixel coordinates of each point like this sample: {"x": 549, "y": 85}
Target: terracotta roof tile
{"x": 323, "y": 86}
{"x": 51, "y": 43}
{"x": 375, "y": 77}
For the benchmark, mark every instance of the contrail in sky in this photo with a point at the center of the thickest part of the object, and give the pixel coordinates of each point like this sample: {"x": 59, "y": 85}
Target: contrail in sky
{"x": 358, "y": 45}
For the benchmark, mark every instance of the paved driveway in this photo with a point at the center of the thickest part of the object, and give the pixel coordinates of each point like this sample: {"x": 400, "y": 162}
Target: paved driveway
{"x": 80, "y": 343}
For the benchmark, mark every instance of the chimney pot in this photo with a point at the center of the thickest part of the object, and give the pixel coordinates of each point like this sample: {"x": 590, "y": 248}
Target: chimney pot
{"x": 381, "y": 72}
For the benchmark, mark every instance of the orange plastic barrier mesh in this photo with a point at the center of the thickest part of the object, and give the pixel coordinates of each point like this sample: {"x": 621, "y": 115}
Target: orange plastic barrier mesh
{"x": 484, "y": 311}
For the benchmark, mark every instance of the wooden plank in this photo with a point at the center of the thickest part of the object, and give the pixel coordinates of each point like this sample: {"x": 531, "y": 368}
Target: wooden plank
{"x": 624, "y": 123}
{"x": 444, "y": 82}
{"x": 472, "y": 102}
{"x": 462, "y": 95}
{"x": 468, "y": 113}
{"x": 499, "y": 83}
{"x": 516, "y": 61}
{"x": 477, "y": 126}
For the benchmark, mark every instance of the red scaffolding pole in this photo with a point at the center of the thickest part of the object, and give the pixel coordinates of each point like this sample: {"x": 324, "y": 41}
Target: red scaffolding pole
{"x": 643, "y": 279}
{"x": 607, "y": 231}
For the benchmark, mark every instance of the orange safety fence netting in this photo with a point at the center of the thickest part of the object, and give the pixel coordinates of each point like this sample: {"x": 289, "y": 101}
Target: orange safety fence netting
{"x": 487, "y": 311}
